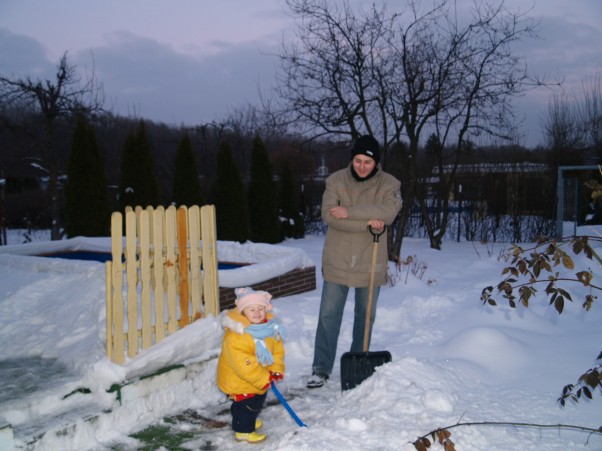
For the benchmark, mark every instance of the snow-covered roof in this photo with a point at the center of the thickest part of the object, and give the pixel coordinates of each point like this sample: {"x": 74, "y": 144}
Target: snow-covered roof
{"x": 484, "y": 168}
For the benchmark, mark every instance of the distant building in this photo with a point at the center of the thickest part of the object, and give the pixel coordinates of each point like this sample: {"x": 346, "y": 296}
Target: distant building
{"x": 501, "y": 188}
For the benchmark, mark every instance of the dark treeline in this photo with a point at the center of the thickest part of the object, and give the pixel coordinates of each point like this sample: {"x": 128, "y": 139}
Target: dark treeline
{"x": 173, "y": 149}
{"x": 286, "y": 158}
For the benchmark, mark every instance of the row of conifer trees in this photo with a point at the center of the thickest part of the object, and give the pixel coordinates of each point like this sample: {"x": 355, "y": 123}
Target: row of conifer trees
{"x": 264, "y": 209}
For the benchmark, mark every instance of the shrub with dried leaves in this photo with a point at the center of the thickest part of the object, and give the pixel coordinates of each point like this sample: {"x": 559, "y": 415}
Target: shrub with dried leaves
{"x": 540, "y": 265}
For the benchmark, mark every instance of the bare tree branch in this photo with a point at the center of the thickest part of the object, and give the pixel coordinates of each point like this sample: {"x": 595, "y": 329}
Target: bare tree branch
{"x": 67, "y": 95}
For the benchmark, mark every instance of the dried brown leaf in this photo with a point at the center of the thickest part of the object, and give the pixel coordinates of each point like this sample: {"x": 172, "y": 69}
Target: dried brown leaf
{"x": 505, "y": 287}
{"x": 422, "y": 444}
{"x": 442, "y": 435}
{"x": 592, "y": 378}
{"x": 585, "y": 277}
{"x": 567, "y": 262}
{"x": 521, "y": 266}
{"x": 589, "y": 300}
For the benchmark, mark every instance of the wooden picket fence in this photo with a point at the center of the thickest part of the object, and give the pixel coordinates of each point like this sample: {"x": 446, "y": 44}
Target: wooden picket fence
{"x": 163, "y": 275}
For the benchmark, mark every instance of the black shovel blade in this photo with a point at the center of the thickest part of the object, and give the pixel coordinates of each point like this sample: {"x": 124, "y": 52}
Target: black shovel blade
{"x": 356, "y": 367}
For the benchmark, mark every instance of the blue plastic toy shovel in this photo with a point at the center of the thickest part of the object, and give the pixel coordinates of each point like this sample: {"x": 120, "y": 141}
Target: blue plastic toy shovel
{"x": 286, "y": 406}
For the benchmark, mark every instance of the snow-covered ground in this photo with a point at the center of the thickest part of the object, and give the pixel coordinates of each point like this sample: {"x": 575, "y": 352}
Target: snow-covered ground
{"x": 454, "y": 361}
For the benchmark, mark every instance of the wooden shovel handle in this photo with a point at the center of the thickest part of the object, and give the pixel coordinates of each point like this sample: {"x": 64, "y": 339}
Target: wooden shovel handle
{"x": 375, "y": 237}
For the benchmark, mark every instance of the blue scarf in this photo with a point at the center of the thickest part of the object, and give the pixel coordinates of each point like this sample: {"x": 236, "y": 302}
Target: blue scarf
{"x": 272, "y": 328}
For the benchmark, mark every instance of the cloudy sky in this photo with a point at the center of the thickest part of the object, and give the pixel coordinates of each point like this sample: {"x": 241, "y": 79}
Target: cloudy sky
{"x": 194, "y": 61}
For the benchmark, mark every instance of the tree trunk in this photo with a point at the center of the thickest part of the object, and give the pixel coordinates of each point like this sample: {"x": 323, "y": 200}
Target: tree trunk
{"x": 53, "y": 194}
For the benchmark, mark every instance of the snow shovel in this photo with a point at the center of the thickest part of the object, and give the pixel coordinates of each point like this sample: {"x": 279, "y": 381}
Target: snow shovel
{"x": 359, "y": 366}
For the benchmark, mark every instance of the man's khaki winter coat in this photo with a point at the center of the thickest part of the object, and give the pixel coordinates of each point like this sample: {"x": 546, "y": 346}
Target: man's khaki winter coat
{"x": 347, "y": 250}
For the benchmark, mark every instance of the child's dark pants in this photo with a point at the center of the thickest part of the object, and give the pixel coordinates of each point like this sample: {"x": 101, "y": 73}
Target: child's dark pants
{"x": 245, "y": 412}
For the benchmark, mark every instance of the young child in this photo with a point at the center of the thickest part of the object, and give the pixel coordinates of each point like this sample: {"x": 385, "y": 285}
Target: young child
{"x": 252, "y": 356}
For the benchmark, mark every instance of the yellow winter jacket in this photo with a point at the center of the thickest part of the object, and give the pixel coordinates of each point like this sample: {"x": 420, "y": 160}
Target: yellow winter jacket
{"x": 238, "y": 371}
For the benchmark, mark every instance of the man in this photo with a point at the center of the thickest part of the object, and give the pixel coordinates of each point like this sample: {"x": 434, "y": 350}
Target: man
{"x": 358, "y": 197}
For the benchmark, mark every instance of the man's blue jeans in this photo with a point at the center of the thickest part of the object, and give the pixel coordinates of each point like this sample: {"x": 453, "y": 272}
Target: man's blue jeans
{"x": 332, "y": 306}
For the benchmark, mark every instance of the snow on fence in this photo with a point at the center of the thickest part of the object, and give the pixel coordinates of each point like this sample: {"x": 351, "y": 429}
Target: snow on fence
{"x": 169, "y": 260}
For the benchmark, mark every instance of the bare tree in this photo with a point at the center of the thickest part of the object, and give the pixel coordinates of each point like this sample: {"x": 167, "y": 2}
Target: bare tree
{"x": 474, "y": 77}
{"x": 333, "y": 72}
{"x": 402, "y": 75}
{"x": 573, "y": 124}
{"x": 590, "y": 113}
{"x": 251, "y": 120}
{"x": 65, "y": 96}
{"x": 562, "y": 127}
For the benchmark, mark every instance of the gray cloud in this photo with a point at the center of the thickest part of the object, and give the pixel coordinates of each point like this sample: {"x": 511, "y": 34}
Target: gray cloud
{"x": 21, "y": 55}
{"x": 565, "y": 48}
{"x": 149, "y": 78}
{"x": 145, "y": 78}
{"x": 564, "y": 53}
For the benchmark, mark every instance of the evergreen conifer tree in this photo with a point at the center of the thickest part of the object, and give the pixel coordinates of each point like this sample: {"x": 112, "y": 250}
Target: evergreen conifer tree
{"x": 186, "y": 186}
{"x": 232, "y": 219}
{"x": 263, "y": 197}
{"x": 87, "y": 211}
{"x": 138, "y": 180}
{"x": 293, "y": 224}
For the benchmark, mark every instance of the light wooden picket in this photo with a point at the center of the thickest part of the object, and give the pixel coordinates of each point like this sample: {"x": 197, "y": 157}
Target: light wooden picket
{"x": 162, "y": 276}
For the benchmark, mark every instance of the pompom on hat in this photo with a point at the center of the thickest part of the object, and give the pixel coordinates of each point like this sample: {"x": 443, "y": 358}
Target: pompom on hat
{"x": 247, "y": 296}
{"x": 366, "y": 145}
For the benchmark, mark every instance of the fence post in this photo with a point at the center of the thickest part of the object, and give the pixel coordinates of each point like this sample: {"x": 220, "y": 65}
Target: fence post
{"x": 109, "y": 310}
{"x": 170, "y": 268}
{"x": 131, "y": 272}
{"x": 560, "y": 205}
{"x": 183, "y": 264}
{"x": 117, "y": 284}
{"x": 210, "y": 281}
{"x": 159, "y": 272}
{"x": 145, "y": 278}
{"x": 196, "y": 287}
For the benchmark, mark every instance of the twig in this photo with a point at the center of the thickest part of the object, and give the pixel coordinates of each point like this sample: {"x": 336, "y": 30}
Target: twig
{"x": 475, "y": 249}
{"x": 419, "y": 444}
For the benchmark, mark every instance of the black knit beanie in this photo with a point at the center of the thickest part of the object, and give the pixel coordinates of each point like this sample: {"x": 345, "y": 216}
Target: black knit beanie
{"x": 366, "y": 145}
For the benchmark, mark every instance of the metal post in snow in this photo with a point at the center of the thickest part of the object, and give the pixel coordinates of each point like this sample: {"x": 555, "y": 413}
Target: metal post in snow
{"x": 459, "y": 210}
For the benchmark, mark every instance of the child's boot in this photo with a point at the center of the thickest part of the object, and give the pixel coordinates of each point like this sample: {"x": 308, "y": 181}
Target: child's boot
{"x": 250, "y": 437}
{"x": 258, "y": 424}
